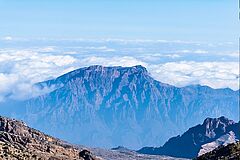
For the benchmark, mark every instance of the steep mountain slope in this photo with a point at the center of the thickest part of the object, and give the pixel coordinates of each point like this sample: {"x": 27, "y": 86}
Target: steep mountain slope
{"x": 112, "y": 106}
{"x": 229, "y": 152}
{"x": 199, "y": 139}
{"x": 221, "y": 141}
{"x": 18, "y": 141}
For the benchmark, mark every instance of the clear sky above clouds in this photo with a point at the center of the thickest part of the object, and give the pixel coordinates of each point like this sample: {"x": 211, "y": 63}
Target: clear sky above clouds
{"x": 196, "y": 20}
{"x": 180, "y": 42}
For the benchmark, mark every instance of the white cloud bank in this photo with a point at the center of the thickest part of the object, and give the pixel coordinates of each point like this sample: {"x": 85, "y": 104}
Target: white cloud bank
{"x": 213, "y": 74}
{"x": 7, "y": 38}
{"x": 19, "y": 69}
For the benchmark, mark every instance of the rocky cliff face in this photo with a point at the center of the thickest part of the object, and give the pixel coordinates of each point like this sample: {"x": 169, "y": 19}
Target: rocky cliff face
{"x": 112, "y": 106}
{"x": 231, "y": 152}
{"x": 18, "y": 142}
{"x": 199, "y": 139}
{"x": 222, "y": 141}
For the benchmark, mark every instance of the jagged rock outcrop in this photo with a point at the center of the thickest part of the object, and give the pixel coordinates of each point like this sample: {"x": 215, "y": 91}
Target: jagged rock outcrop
{"x": 222, "y": 141}
{"x": 199, "y": 139}
{"x": 20, "y": 142}
{"x": 229, "y": 152}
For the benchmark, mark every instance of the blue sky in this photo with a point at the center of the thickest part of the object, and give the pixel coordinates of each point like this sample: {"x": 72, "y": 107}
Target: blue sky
{"x": 191, "y": 20}
{"x": 180, "y": 42}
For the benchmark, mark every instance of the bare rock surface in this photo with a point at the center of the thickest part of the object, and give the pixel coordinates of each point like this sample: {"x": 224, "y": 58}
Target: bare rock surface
{"x": 229, "y": 152}
{"x": 20, "y": 142}
{"x": 200, "y": 139}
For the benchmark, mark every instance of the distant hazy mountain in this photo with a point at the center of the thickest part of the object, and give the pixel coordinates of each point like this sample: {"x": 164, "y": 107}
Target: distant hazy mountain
{"x": 112, "y": 106}
{"x": 200, "y": 139}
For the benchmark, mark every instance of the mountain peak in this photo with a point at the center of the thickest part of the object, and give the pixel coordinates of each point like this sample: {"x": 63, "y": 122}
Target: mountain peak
{"x": 140, "y": 68}
{"x": 215, "y": 121}
{"x": 96, "y": 67}
{"x": 133, "y": 68}
{"x": 190, "y": 142}
{"x": 97, "y": 71}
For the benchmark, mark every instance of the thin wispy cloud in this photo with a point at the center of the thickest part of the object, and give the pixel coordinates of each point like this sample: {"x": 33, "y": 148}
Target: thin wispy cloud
{"x": 7, "y": 38}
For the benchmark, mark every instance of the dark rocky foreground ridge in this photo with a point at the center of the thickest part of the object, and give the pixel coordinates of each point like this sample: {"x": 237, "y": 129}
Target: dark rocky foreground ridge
{"x": 229, "y": 152}
{"x": 111, "y": 106}
{"x": 20, "y": 142}
{"x": 212, "y": 133}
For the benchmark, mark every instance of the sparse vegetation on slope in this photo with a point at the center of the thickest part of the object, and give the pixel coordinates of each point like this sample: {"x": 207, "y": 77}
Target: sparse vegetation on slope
{"x": 229, "y": 152}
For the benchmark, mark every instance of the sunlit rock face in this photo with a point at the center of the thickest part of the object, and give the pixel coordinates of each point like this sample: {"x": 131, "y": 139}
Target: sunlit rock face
{"x": 112, "y": 106}
{"x": 18, "y": 141}
{"x": 222, "y": 141}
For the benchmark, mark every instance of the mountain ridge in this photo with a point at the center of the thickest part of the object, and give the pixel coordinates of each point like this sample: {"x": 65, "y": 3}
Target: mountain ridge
{"x": 190, "y": 143}
{"x": 124, "y": 105}
{"x": 18, "y": 141}
{"x": 138, "y": 67}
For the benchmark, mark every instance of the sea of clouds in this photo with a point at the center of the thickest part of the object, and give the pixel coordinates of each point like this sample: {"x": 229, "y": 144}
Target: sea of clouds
{"x": 24, "y": 62}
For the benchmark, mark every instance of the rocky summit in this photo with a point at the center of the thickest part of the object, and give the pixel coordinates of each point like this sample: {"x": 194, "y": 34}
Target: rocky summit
{"x": 198, "y": 140}
{"x": 20, "y": 142}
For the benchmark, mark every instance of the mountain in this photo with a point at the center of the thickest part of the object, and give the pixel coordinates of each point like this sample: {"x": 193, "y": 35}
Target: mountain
{"x": 200, "y": 139}
{"x": 231, "y": 151}
{"x": 112, "y": 106}
{"x": 18, "y": 142}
